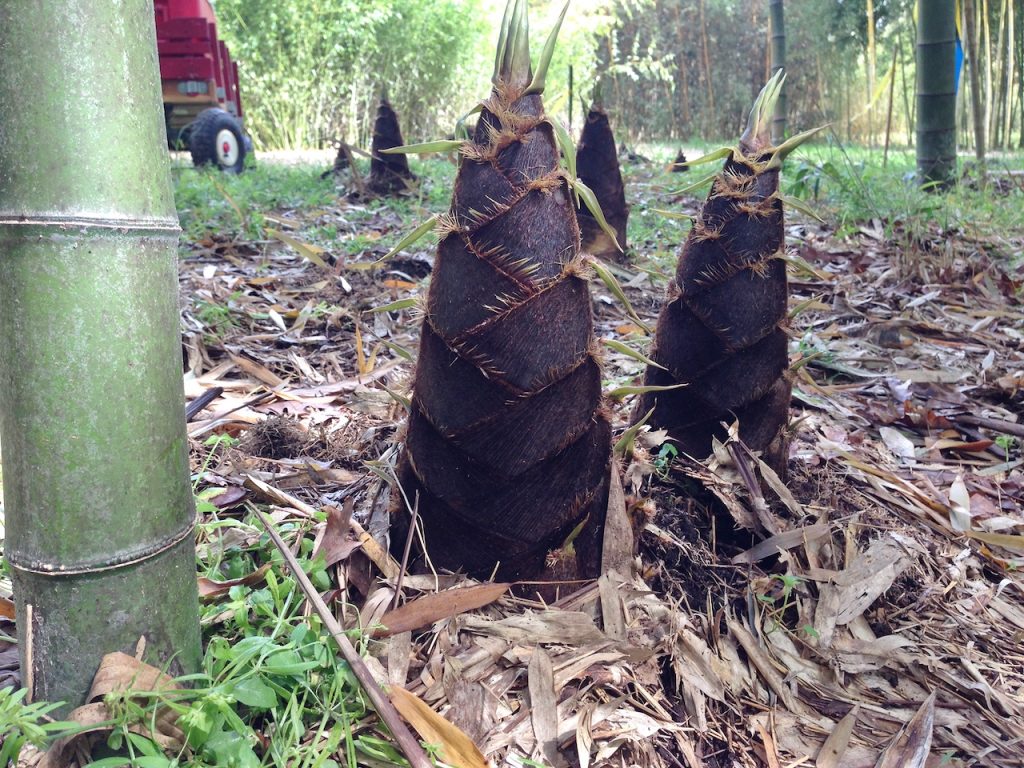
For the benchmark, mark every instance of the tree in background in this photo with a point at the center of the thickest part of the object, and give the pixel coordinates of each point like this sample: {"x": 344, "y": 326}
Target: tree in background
{"x": 973, "y": 45}
{"x": 311, "y": 71}
{"x": 936, "y": 92}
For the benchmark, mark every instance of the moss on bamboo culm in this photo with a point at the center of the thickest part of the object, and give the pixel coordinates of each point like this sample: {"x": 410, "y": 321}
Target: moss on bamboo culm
{"x": 723, "y": 331}
{"x": 508, "y": 445}
{"x": 597, "y": 162}
{"x": 388, "y": 173}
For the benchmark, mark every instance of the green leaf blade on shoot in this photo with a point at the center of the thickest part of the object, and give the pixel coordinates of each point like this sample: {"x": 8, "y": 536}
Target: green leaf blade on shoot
{"x": 590, "y": 200}
{"x": 719, "y": 154}
{"x": 426, "y": 148}
{"x": 626, "y": 391}
{"x": 537, "y": 84}
{"x": 780, "y": 153}
{"x": 412, "y": 238}
{"x": 696, "y": 185}
{"x": 624, "y": 445}
{"x": 502, "y": 42}
{"x": 799, "y": 205}
{"x": 628, "y": 351}
{"x": 613, "y": 285}
{"x": 568, "y": 147}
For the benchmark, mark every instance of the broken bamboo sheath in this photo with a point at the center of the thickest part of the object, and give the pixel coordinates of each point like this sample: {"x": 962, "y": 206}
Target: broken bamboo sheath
{"x": 100, "y": 518}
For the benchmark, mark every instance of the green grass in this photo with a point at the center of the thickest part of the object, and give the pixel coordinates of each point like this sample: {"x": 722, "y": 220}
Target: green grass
{"x": 849, "y": 187}
{"x": 216, "y": 204}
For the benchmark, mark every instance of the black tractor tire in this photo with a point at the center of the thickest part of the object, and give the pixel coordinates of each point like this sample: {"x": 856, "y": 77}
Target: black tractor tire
{"x": 216, "y": 138}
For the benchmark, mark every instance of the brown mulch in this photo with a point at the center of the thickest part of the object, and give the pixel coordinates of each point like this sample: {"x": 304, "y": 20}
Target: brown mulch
{"x": 867, "y": 609}
{"x": 804, "y": 620}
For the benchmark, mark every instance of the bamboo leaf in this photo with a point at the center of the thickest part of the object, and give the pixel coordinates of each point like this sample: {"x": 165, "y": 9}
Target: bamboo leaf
{"x": 613, "y": 285}
{"x": 711, "y": 157}
{"x": 804, "y": 305}
{"x": 781, "y": 152}
{"x": 413, "y": 237}
{"x": 624, "y": 445}
{"x": 402, "y": 400}
{"x": 799, "y": 205}
{"x": 628, "y": 351}
{"x": 399, "y": 350}
{"x": 799, "y": 264}
{"x": 642, "y": 390}
{"x": 453, "y": 745}
{"x": 764, "y": 106}
{"x": 590, "y": 200}
{"x": 537, "y": 85}
{"x": 442, "y": 145}
{"x": 307, "y": 251}
{"x": 696, "y": 184}
{"x": 568, "y": 147}
{"x": 460, "y": 124}
{"x": 515, "y": 67}
{"x": 1004, "y": 540}
{"x": 502, "y": 41}
{"x": 394, "y": 306}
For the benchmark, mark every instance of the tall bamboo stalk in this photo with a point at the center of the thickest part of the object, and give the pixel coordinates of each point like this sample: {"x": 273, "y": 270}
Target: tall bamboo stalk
{"x": 709, "y": 111}
{"x": 683, "y": 70}
{"x": 908, "y": 113}
{"x": 888, "y": 113}
{"x": 936, "y": 91}
{"x": 986, "y": 44}
{"x": 999, "y": 100}
{"x": 99, "y": 507}
{"x": 778, "y": 61}
{"x": 871, "y": 67}
{"x": 1020, "y": 81}
{"x": 1008, "y": 92}
{"x": 974, "y": 74}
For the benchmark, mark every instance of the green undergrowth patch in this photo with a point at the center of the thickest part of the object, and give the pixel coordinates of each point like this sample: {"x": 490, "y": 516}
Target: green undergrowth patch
{"x": 228, "y": 206}
{"x": 211, "y": 202}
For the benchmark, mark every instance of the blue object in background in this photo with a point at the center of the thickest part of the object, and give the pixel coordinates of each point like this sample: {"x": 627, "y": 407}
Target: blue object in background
{"x": 959, "y": 61}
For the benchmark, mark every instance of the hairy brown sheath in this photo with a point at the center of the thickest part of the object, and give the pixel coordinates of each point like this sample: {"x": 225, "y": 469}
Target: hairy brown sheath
{"x": 508, "y": 446}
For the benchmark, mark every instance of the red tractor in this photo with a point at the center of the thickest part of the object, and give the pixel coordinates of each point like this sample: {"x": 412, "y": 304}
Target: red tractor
{"x": 202, "y": 103}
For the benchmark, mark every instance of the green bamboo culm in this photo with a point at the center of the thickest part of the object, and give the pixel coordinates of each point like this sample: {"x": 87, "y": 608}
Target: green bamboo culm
{"x": 936, "y": 92}
{"x": 777, "y": 19}
{"x": 99, "y": 507}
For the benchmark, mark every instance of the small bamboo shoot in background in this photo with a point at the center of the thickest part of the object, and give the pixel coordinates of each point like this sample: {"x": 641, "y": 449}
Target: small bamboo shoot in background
{"x": 389, "y": 173}
{"x": 597, "y": 161}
